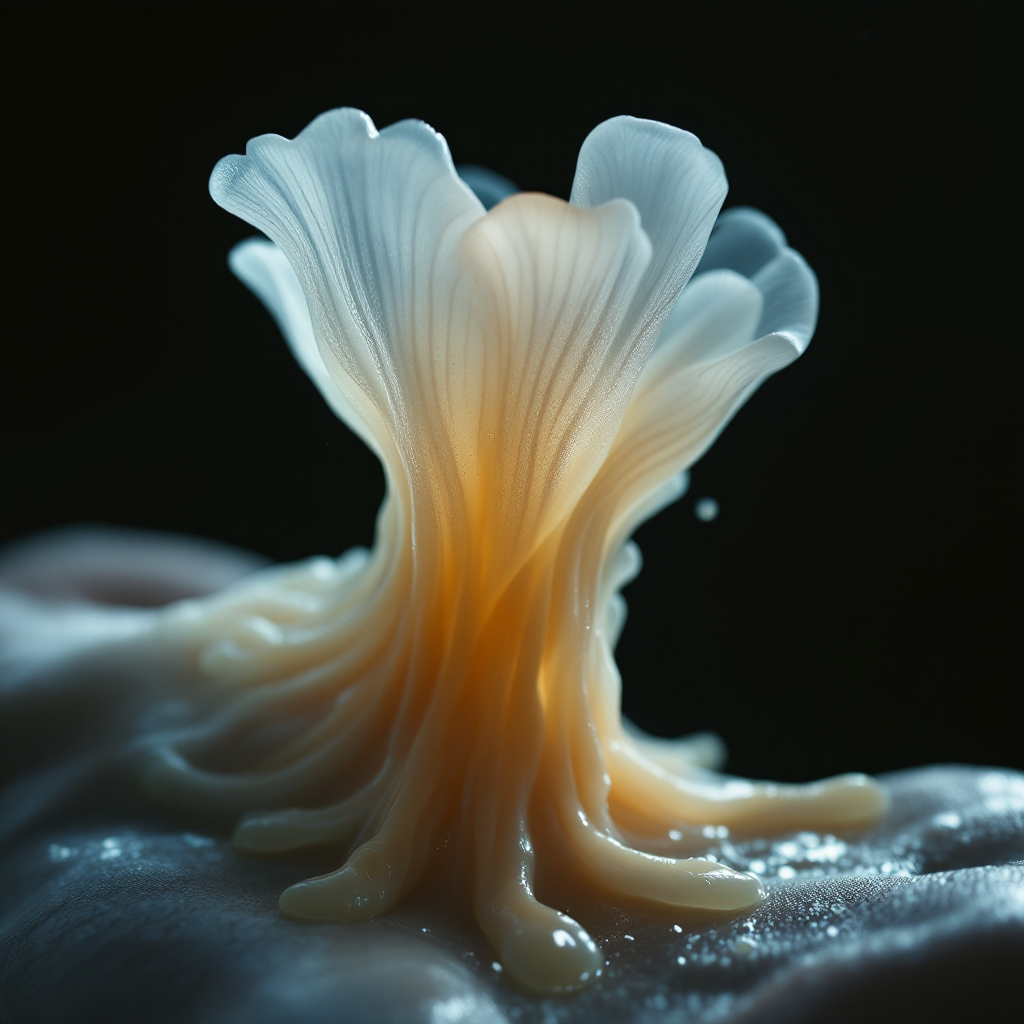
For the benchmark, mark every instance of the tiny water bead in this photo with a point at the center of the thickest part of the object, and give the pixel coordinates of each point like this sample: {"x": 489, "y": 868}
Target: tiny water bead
{"x": 807, "y": 854}
{"x": 706, "y": 509}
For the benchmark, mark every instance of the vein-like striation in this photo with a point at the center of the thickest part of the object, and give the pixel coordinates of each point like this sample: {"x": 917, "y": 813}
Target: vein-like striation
{"x": 536, "y": 382}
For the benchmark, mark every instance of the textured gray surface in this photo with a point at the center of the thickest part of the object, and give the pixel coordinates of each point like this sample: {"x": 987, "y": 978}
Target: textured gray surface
{"x": 109, "y": 913}
{"x": 106, "y": 919}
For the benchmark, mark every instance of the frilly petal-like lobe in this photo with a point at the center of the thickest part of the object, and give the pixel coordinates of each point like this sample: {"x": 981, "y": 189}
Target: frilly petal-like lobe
{"x": 750, "y": 243}
{"x": 744, "y": 240}
{"x": 790, "y": 290}
{"x": 677, "y": 185}
{"x": 717, "y": 313}
{"x": 732, "y": 327}
{"x": 264, "y": 269}
{"x": 707, "y": 363}
{"x": 369, "y": 222}
{"x": 678, "y": 415}
{"x": 545, "y": 375}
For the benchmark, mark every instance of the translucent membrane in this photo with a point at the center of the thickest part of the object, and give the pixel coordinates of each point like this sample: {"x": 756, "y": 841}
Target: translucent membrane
{"x": 535, "y": 386}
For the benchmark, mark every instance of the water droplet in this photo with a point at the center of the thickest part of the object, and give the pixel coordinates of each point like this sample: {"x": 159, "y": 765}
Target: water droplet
{"x": 495, "y": 966}
{"x": 111, "y": 849}
{"x": 827, "y": 852}
{"x": 680, "y": 960}
{"x": 706, "y": 509}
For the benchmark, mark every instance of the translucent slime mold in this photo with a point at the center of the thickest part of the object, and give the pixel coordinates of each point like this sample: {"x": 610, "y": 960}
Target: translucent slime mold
{"x": 535, "y": 380}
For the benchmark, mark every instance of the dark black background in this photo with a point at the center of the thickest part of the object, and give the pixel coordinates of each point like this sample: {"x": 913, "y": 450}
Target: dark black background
{"x": 857, "y": 603}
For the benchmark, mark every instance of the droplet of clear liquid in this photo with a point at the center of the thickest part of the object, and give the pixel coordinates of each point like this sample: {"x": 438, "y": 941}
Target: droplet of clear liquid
{"x": 706, "y": 509}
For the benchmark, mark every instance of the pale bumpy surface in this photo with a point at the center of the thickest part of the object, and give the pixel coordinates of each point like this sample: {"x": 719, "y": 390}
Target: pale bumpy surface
{"x": 109, "y": 913}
